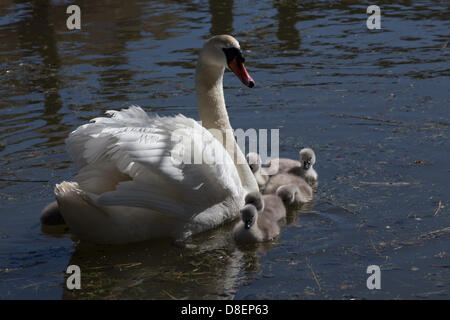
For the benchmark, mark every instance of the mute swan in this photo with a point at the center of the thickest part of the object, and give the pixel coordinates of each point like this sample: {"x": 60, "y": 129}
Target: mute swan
{"x": 304, "y": 193}
{"x": 131, "y": 184}
{"x": 303, "y": 168}
{"x": 254, "y": 162}
{"x": 259, "y": 218}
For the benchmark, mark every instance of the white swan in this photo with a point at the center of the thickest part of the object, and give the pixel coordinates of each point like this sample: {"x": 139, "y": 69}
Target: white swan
{"x": 131, "y": 186}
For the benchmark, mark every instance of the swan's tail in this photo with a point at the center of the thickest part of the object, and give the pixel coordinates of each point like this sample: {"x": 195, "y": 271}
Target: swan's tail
{"x": 91, "y": 222}
{"x": 78, "y": 210}
{"x": 51, "y": 215}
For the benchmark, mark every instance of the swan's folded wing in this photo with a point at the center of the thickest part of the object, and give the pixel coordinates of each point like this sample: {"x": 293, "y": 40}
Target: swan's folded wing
{"x": 175, "y": 166}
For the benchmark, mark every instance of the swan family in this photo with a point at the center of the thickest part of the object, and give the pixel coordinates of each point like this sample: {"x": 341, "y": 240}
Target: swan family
{"x": 139, "y": 176}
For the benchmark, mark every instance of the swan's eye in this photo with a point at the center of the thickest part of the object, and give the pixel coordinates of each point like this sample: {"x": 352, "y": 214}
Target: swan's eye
{"x": 232, "y": 53}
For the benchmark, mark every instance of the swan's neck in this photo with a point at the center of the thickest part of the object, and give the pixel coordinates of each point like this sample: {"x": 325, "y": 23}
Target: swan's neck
{"x": 210, "y": 99}
{"x": 214, "y": 117}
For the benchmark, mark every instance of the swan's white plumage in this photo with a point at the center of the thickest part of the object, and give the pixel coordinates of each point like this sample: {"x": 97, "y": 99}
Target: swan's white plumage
{"x": 130, "y": 173}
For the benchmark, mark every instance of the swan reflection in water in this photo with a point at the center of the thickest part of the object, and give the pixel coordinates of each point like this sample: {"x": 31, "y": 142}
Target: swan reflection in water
{"x": 209, "y": 265}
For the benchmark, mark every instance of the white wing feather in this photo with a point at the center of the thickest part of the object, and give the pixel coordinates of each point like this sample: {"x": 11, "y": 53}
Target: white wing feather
{"x": 132, "y": 159}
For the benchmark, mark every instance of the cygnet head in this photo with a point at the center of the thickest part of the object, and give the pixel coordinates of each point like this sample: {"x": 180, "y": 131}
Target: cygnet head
{"x": 287, "y": 193}
{"x": 224, "y": 51}
{"x": 255, "y": 199}
{"x": 307, "y": 158}
{"x": 254, "y": 161}
{"x": 249, "y": 215}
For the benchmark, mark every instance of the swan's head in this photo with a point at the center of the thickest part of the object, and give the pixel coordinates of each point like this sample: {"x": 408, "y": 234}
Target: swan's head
{"x": 307, "y": 158}
{"x": 287, "y": 193}
{"x": 254, "y": 161}
{"x": 249, "y": 215}
{"x": 255, "y": 199}
{"x": 224, "y": 51}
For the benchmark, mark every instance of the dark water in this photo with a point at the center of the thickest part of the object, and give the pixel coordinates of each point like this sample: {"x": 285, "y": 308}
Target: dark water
{"x": 373, "y": 104}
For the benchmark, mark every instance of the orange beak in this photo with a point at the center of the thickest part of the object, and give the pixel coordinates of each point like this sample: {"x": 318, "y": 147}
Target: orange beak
{"x": 240, "y": 71}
